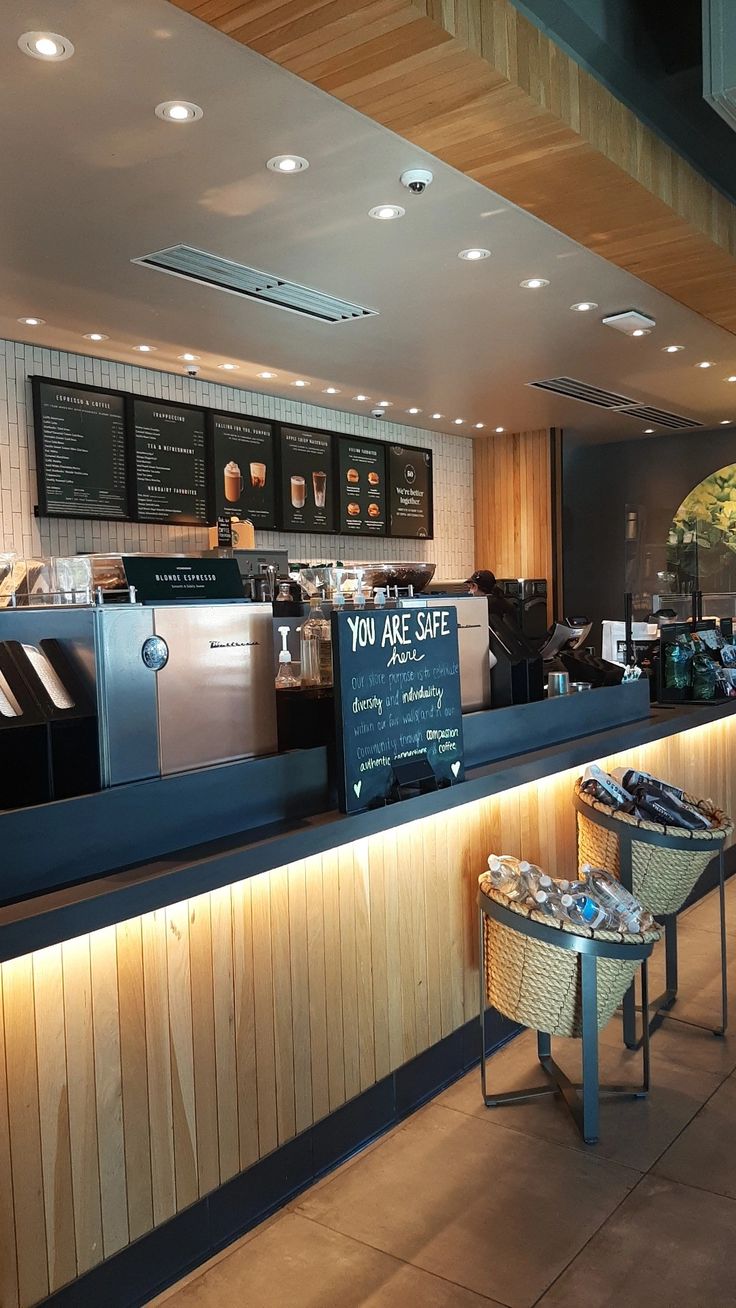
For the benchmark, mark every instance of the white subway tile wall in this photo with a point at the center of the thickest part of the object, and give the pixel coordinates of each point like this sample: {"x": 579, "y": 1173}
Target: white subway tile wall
{"x": 29, "y": 536}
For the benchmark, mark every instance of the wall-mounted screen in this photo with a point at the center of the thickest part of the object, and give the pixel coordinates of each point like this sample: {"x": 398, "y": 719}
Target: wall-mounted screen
{"x": 410, "y": 492}
{"x": 362, "y": 487}
{"x": 170, "y": 467}
{"x": 242, "y": 468}
{"x": 307, "y": 480}
{"x": 80, "y": 450}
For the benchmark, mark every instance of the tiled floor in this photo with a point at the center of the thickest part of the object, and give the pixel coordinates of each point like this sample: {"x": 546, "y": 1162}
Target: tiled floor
{"x": 461, "y": 1206}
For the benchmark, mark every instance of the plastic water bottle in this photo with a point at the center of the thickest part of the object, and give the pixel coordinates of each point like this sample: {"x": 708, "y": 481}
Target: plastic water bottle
{"x": 616, "y": 899}
{"x": 504, "y": 870}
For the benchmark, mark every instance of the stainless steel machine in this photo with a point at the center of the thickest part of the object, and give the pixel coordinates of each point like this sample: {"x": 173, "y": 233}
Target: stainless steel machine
{"x": 183, "y": 686}
{"x": 473, "y": 644}
{"x": 177, "y": 686}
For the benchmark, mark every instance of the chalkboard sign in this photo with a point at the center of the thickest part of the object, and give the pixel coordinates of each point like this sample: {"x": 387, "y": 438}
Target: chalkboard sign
{"x": 170, "y": 469}
{"x": 410, "y": 492}
{"x": 80, "y": 450}
{"x": 397, "y": 698}
{"x": 362, "y": 481}
{"x": 241, "y": 458}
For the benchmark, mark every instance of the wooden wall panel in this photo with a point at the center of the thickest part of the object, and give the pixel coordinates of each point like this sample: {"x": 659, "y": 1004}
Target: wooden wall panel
{"x": 142, "y": 1064}
{"x": 513, "y": 505}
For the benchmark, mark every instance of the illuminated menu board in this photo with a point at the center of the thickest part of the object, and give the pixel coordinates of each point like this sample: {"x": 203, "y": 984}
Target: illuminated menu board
{"x": 362, "y": 483}
{"x": 80, "y": 451}
{"x": 170, "y": 467}
{"x": 307, "y": 480}
{"x": 410, "y": 492}
{"x": 242, "y": 465}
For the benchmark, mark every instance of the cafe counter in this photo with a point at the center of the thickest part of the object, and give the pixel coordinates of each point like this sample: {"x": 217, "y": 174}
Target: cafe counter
{"x": 214, "y": 986}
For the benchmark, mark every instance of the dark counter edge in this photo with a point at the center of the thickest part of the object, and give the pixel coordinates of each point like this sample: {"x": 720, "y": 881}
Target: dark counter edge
{"x": 63, "y": 914}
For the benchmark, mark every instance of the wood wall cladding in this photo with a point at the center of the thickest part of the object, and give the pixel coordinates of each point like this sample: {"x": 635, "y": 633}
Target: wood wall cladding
{"x": 143, "y": 1064}
{"x": 480, "y": 87}
{"x": 513, "y": 499}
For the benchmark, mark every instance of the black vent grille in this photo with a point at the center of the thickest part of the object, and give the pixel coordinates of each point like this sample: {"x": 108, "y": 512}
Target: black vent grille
{"x": 661, "y": 418}
{"x": 586, "y": 394}
{"x": 579, "y": 390}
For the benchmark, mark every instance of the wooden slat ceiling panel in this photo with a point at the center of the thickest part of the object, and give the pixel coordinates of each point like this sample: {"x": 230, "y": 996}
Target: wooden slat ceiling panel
{"x": 475, "y": 84}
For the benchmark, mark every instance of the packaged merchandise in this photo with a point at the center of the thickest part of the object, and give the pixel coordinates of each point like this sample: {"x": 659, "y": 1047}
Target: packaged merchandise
{"x": 643, "y": 796}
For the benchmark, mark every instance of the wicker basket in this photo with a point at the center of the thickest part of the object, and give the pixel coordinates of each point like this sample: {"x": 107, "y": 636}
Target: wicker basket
{"x": 662, "y": 878}
{"x": 538, "y": 985}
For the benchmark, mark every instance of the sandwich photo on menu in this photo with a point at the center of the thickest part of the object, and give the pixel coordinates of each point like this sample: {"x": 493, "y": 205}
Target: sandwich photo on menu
{"x": 362, "y": 475}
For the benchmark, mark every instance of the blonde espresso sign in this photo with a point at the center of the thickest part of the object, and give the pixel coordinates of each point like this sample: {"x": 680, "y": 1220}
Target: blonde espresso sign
{"x": 397, "y": 690}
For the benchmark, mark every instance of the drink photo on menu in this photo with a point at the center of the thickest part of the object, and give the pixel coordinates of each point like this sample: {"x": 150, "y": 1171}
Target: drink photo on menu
{"x": 242, "y": 460}
{"x": 306, "y": 476}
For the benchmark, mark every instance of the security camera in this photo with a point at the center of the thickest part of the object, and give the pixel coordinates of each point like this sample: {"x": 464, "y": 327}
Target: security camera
{"x": 192, "y": 370}
{"x": 416, "y": 180}
{"x": 377, "y": 413}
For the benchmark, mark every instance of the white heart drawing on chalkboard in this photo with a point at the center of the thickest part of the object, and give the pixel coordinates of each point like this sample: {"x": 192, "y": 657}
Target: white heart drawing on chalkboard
{"x": 455, "y": 768}
{"x": 357, "y": 787}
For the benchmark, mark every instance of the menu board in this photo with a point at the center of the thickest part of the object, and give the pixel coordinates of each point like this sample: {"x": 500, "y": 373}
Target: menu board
{"x": 307, "y": 473}
{"x": 410, "y": 491}
{"x": 397, "y": 699}
{"x": 362, "y": 481}
{"x": 242, "y": 464}
{"x": 80, "y": 450}
{"x": 170, "y": 469}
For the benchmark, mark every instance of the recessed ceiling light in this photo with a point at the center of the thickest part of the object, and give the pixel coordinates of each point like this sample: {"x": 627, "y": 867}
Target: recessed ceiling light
{"x": 299, "y": 382}
{"x": 673, "y": 349}
{"x": 436, "y": 415}
{"x": 46, "y": 45}
{"x": 288, "y": 163}
{"x": 704, "y": 364}
{"x": 474, "y": 254}
{"x": 648, "y": 431}
{"x": 189, "y": 358}
{"x": 144, "y": 349}
{"x": 534, "y": 283}
{"x": 479, "y": 426}
{"x": 95, "y": 336}
{"x": 384, "y": 404}
{"x": 731, "y": 379}
{"x": 32, "y": 322}
{"x": 584, "y": 306}
{"x": 725, "y": 422}
{"x": 413, "y": 410}
{"x": 228, "y": 367}
{"x": 178, "y": 111}
{"x": 641, "y": 331}
{"x": 330, "y": 390}
{"x": 267, "y": 376}
{"x": 498, "y": 430}
{"x": 459, "y": 422}
{"x": 360, "y": 398}
{"x": 386, "y": 211}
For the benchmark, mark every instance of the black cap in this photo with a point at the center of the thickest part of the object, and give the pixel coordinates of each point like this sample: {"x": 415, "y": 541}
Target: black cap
{"x": 484, "y": 579}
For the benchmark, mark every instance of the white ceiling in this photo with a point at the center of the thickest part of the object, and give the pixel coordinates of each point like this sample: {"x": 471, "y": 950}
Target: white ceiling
{"x": 91, "y": 179}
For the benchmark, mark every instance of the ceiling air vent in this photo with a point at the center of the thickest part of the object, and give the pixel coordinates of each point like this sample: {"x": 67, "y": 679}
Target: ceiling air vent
{"x": 661, "y": 418}
{"x": 719, "y": 58}
{"x": 578, "y": 390}
{"x": 237, "y": 279}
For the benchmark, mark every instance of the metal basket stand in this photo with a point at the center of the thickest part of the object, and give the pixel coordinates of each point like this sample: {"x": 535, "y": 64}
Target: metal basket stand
{"x": 582, "y": 1100}
{"x": 662, "y": 1005}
